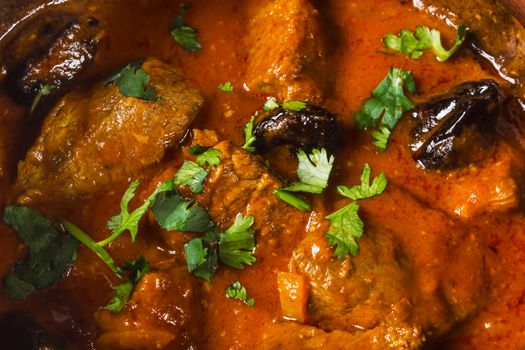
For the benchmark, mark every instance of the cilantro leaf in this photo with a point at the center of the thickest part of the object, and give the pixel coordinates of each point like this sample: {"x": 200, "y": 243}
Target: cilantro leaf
{"x": 296, "y": 106}
{"x": 44, "y": 91}
{"x": 226, "y": 87}
{"x": 423, "y": 38}
{"x": 206, "y": 155}
{"x": 249, "y": 139}
{"x": 126, "y": 221}
{"x": 191, "y": 175}
{"x": 365, "y": 190}
{"x": 175, "y": 213}
{"x": 50, "y": 254}
{"x": 136, "y": 269}
{"x": 132, "y": 81}
{"x": 202, "y": 262}
{"x": 121, "y": 297}
{"x": 387, "y": 105}
{"x": 346, "y": 228}
{"x": 184, "y": 35}
{"x": 237, "y": 291}
{"x": 313, "y": 171}
{"x": 293, "y": 200}
{"x": 270, "y": 104}
{"x": 237, "y": 243}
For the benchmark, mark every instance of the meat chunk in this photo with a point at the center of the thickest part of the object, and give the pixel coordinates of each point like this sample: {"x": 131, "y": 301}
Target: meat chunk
{"x": 162, "y": 311}
{"x": 292, "y": 336}
{"x": 92, "y": 139}
{"x": 243, "y": 184}
{"x": 286, "y": 57}
{"x": 53, "y": 49}
{"x": 429, "y": 275}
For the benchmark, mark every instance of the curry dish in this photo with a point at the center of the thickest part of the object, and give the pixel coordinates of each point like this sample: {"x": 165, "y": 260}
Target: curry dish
{"x": 271, "y": 174}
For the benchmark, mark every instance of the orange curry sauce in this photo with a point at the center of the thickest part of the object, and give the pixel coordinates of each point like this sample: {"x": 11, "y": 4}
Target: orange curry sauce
{"x": 140, "y": 29}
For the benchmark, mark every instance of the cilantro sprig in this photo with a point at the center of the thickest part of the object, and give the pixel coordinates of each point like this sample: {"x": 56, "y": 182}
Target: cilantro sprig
{"x": 295, "y": 106}
{"x": 44, "y": 91}
{"x": 132, "y": 81}
{"x": 387, "y": 105}
{"x": 249, "y": 138}
{"x": 238, "y": 292}
{"x": 226, "y": 87}
{"x": 206, "y": 155}
{"x": 191, "y": 175}
{"x": 50, "y": 254}
{"x": 184, "y": 35}
{"x": 423, "y": 38}
{"x": 346, "y": 227}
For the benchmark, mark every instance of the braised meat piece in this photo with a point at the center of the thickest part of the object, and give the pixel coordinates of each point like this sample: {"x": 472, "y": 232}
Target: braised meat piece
{"x": 163, "y": 312}
{"x": 397, "y": 276}
{"x": 286, "y": 56}
{"x": 457, "y": 128}
{"x": 312, "y": 127}
{"x": 52, "y": 50}
{"x": 90, "y": 140}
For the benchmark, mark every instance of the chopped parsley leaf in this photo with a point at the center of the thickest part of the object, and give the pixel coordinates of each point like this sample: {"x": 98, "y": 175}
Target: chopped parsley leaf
{"x": 313, "y": 171}
{"x": 202, "y": 262}
{"x": 44, "y": 91}
{"x": 249, "y": 139}
{"x": 238, "y": 292}
{"x": 226, "y": 87}
{"x": 137, "y": 269}
{"x": 50, "y": 254}
{"x": 132, "y": 81}
{"x": 177, "y": 214}
{"x": 206, "y": 155}
{"x": 296, "y": 106}
{"x": 365, "y": 190}
{"x": 126, "y": 221}
{"x": 184, "y": 35}
{"x": 270, "y": 104}
{"x": 423, "y": 38}
{"x": 237, "y": 243}
{"x": 387, "y": 105}
{"x": 293, "y": 200}
{"x": 191, "y": 175}
{"x": 346, "y": 228}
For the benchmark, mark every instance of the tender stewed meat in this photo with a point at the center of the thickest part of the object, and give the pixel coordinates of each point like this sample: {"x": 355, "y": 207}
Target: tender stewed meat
{"x": 400, "y": 273}
{"x": 456, "y": 129}
{"x": 312, "y": 127}
{"x": 504, "y": 48}
{"x": 162, "y": 312}
{"x": 53, "y": 49}
{"x": 292, "y": 336}
{"x": 286, "y": 56}
{"x": 90, "y": 140}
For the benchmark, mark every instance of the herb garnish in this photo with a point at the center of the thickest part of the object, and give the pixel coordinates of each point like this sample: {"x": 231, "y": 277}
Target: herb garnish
{"x": 177, "y": 214}
{"x": 249, "y": 139}
{"x": 388, "y": 103}
{"x": 237, "y": 243}
{"x": 44, "y": 91}
{"x": 191, "y": 175}
{"x": 237, "y": 291}
{"x": 424, "y": 38}
{"x": 313, "y": 171}
{"x": 184, "y": 35}
{"x": 226, "y": 87}
{"x": 293, "y": 200}
{"x": 132, "y": 81}
{"x": 295, "y": 106}
{"x": 346, "y": 227}
{"x": 50, "y": 253}
{"x": 206, "y": 155}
